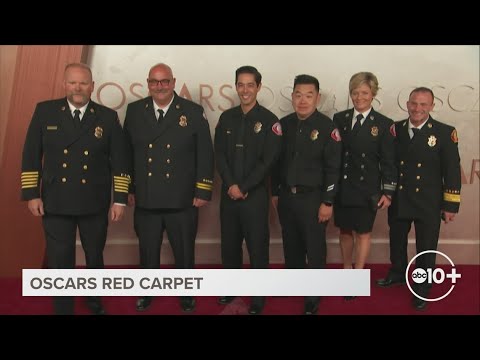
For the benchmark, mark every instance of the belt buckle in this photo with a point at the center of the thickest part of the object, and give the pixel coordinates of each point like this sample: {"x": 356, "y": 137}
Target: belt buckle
{"x": 293, "y": 189}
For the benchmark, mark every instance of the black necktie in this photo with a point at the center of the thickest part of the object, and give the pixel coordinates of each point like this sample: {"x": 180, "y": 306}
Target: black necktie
{"x": 415, "y": 131}
{"x": 160, "y": 116}
{"x": 358, "y": 123}
{"x": 76, "y": 118}
{"x": 239, "y": 154}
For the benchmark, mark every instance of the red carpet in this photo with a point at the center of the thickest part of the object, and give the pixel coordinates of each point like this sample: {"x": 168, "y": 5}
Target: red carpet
{"x": 464, "y": 300}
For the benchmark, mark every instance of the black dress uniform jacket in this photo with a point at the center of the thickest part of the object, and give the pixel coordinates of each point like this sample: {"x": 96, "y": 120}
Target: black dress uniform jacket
{"x": 368, "y": 159}
{"x": 261, "y": 141}
{"x": 78, "y": 162}
{"x": 429, "y": 170}
{"x": 173, "y": 161}
{"x": 310, "y": 156}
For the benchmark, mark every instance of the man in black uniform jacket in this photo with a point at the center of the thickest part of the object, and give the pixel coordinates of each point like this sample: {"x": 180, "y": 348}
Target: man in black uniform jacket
{"x": 305, "y": 178}
{"x": 247, "y": 143}
{"x": 428, "y": 188}
{"x": 82, "y": 146}
{"x": 171, "y": 146}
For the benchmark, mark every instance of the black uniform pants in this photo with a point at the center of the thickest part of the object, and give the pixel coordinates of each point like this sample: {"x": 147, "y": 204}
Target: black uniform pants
{"x": 60, "y": 235}
{"x": 304, "y": 238}
{"x": 181, "y": 226}
{"x": 245, "y": 219}
{"x": 427, "y": 231}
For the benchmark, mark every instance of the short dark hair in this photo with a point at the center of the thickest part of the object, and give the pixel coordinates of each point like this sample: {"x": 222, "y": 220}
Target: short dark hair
{"x": 247, "y": 69}
{"x": 306, "y": 79}
{"x": 424, "y": 90}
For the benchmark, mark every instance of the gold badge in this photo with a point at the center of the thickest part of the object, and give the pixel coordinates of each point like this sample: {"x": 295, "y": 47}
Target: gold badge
{"x": 98, "y": 132}
{"x": 432, "y": 141}
{"x": 258, "y": 127}
{"x": 63, "y": 108}
{"x": 52, "y": 127}
{"x": 374, "y": 131}
{"x": 372, "y": 117}
{"x": 177, "y": 106}
{"x": 183, "y": 121}
{"x": 92, "y": 110}
{"x": 314, "y": 135}
{"x": 430, "y": 125}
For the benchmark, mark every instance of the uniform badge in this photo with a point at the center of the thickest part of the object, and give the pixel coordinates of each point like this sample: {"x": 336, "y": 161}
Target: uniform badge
{"x": 335, "y": 135}
{"x": 146, "y": 106}
{"x": 277, "y": 129}
{"x": 393, "y": 131}
{"x": 314, "y": 135}
{"x": 63, "y": 108}
{"x": 98, "y": 132}
{"x": 183, "y": 121}
{"x": 454, "y": 136}
{"x": 177, "y": 106}
{"x": 430, "y": 125}
{"x": 372, "y": 118}
{"x": 258, "y": 127}
{"x": 92, "y": 110}
{"x": 347, "y": 115}
{"x": 374, "y": 131}
{"x": 432, "y": 141}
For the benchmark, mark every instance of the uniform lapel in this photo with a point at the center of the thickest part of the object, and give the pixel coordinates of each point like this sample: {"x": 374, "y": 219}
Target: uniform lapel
{"x": 69, "y": 132}
{"x": 149, "y": 113}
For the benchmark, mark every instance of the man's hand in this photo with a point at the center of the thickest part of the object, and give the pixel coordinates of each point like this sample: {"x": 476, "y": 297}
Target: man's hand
{"x": 384, "y": 202}
{"x": 235, "y": 193}
{"x": 324, "y": 213}
{"x": 116, "y": 212}
{"x": 448, "y": 217}
{"x": 199, "y": 202}
{"x": 36, "y": 207}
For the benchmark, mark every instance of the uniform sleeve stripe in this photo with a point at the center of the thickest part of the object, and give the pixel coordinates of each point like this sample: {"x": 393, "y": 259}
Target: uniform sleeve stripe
{"x": 117, "y": 189}
{"x": 451, "y": 197}
{"x": 30, "y": 173}
{"x": 28, "y": 186}
{"x": 121, "y": 187}
{"x": 29, "y": 182}
{"x": 26, "y": 177}
{"x": 389, "y": 187}
{"x": 204, "y": 186}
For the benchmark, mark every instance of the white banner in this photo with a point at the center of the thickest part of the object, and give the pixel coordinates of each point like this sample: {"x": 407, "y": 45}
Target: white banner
{"x": 195, "y": 282}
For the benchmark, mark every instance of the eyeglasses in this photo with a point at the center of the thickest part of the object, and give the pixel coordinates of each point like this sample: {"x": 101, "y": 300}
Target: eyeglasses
{"x": 155, "y": 82}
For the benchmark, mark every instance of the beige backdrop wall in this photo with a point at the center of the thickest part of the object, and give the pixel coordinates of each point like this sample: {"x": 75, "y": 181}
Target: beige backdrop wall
{"x": 205, "y": 74}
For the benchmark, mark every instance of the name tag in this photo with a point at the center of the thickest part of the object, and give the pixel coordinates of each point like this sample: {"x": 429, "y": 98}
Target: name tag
{"x": 53, "y": 127}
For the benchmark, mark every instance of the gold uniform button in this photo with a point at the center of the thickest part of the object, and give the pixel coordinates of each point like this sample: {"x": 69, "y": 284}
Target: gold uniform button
{"x": 419, "y": 165}
{"x": 150, "y": 146}
{"x": 363, "y": 154}
{"x": 168, "y": 146}
{"x": 167, "y": 175}
{"x": 418, "y": 177}
{"x": 401, "y": 174}
{"x": 417, "y": 190}
{"x": 86, "y": 152}
{"x": 346, "y": 153}
{"x": 84, "y": 181}
{"x": 64, "y": 165}
{"x": 149, "y": 160}
{"x": 345, "y": 176}
{"x": 400, "y": 187}
{"x": 401, "y": 162}
{"x": 64, "y": 179}
{"x": 65, "y": 151}
{"x": 149, "y": 174}
{"x": 361, "y": 178}
{"x": 168, "y": 161}
{"x": 362, "y": 166}
{"x": 85, "y": 167}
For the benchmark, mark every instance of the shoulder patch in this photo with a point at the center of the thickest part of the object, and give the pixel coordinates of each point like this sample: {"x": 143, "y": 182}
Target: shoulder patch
{"x": 335, "y": 135}
{"x": 454, "y": 136}
{"x": 392, "y": 130}
{"x": 277, "y": 129}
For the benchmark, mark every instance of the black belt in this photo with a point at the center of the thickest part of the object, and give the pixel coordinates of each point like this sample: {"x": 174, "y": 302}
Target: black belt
{"x": 300, "y": 189}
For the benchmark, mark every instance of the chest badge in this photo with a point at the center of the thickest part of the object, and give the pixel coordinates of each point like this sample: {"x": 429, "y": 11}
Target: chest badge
{"x": 432, "y": 141}
{"x": 374, "y": 131}
{"x": 258, "y": 127}
{"x": 183, "y": 121}
{"x": 314, "y": 135}
{"x": 98, "y": 132}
